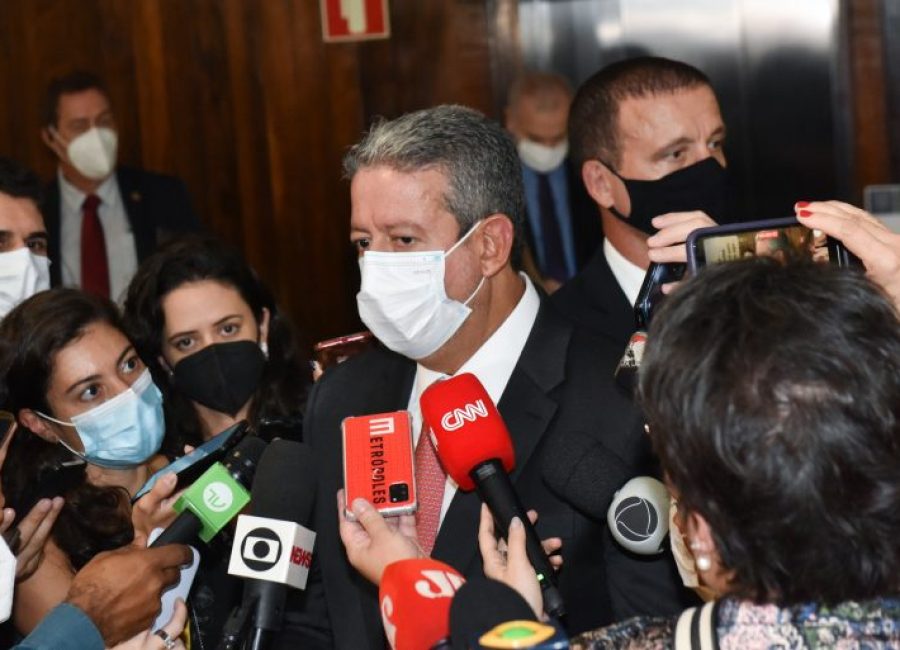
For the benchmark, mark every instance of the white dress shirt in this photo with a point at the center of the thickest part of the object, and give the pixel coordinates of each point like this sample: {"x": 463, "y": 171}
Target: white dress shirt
{"x": 493, "y": 363}
{"x": 121, "y": 253}
{"x": 629, "y": 275}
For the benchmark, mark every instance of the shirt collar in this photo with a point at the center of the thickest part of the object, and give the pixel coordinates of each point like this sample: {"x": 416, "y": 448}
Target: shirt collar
{"x": 629, "y": 275}
{"x": 493, "y": 363}
{"x": 74, "y": 198}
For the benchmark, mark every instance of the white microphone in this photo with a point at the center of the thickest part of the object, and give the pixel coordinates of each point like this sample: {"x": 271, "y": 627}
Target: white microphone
{"x": 638, "y": 517}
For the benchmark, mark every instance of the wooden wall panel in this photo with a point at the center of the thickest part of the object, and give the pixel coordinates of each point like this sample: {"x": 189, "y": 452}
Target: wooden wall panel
{"x": 244, "y": 101}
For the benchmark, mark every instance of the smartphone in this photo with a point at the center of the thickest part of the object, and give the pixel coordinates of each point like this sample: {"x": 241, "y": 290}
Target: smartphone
{"x": 333, "y": 351}
{"x": 378, "y": 462}
{"x": 53, "y": 481}
{"x": 651, "y": 296}
{"x": 190, "y": 467}
{"x": 783, "y": 239}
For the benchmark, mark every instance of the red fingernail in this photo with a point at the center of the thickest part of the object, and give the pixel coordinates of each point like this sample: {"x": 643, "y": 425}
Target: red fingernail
{"x": 801, "y": 204}
{"x": 804, "y": 213}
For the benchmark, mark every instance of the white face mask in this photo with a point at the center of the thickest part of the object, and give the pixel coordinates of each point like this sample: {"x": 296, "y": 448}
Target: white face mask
{"x": 540, "y": 157}
{"x": 402, "y": 299}
{"x": 684, "y": 559}
{"x": 93, "y": 153}
{"x": 22, "y": 274}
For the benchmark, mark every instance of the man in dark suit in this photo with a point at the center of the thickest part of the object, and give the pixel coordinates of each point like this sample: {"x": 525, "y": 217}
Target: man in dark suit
{"x": 561, "y": 225}
{"x": 437, "y": 212}
{"x": 647, "y": 135}
{"x": 102, "y": 221}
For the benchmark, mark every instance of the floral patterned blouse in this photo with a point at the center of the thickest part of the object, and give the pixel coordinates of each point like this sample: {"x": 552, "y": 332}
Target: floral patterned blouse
{"x": 742, "y": 625}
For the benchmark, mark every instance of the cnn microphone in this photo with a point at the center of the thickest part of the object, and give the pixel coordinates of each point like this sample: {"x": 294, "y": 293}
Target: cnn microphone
{"x": 475, "y": 449}
{"x": 415, "y": 597}
{"x": 272, "y": 550}
{"x": 639, "y": 515}
{"x": 215, "y": 498}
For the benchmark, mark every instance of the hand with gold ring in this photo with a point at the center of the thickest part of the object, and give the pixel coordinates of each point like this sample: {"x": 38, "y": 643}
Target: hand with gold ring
{"x": 165, "y": 638}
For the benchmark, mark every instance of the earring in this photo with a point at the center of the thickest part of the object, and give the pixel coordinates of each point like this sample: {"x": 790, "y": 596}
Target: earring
{"x": 703, "y": 563}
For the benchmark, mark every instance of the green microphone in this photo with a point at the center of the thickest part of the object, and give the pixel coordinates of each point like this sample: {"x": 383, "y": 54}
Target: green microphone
{"x": 216, "y": 497}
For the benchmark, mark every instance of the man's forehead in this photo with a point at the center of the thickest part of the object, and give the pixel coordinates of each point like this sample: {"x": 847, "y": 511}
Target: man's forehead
{"x": 20, "y": 215}
{"x": 88, "y": 101}
{"x": 654, "y": 120}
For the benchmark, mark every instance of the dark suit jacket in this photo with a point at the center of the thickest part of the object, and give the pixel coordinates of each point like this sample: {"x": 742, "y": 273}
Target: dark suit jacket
{"x": 587, "y": 231}
{"x": 157, "y": 207}
{"x": 559, "y": 388}
{"x": 594, "y": 300}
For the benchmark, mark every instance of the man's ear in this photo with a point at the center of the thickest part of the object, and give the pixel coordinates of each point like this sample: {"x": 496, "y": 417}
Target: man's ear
{"x": 37, "y": 425}
{"x": 51, "y": 138}
{"x": 497, "y": 235}
{"x": 598, "y": 181}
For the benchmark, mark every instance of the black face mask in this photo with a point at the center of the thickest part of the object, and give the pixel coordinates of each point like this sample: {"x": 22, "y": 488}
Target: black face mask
{"x": 702, "y": 186}
{"x": 222, "y": 376}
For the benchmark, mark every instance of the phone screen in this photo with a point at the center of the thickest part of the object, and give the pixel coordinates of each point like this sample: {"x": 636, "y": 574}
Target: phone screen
{"x": 190, "y": 466}
{"x": 784, "y": 243}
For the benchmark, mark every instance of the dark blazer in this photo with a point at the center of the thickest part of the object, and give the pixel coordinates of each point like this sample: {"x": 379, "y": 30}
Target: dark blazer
{"x": 587, "y": 231}
{"x": 157, "y": 206}
{"x": 594, "y": 300}
{"x": 559, "y": 388}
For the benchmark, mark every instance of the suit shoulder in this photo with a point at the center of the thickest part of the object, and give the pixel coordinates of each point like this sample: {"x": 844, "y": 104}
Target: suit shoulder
{"x": 148, "y": 179}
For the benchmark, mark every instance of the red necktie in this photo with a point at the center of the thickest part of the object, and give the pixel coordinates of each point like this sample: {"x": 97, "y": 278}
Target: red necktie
{"x": 430, "y": 479}
{"x": 94, "y": 266}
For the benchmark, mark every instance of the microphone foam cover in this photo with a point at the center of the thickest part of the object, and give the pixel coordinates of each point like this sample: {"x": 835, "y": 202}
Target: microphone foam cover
{"x": 285, "y": 483}
{"x": 415, "y": 597}
{"x": 482, "y": 604}
{"x": 467, "y": 427}
{"x": 639, "y": 515}
{"x": 583, "y": 472}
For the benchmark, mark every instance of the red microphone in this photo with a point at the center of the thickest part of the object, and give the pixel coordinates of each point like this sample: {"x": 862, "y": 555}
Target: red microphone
{"x": 415, "y": 597}
{"x": 475, "y": 449}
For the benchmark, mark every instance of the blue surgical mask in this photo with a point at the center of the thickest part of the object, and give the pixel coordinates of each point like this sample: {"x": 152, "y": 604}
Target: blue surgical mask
{"x": 121, "y": 432}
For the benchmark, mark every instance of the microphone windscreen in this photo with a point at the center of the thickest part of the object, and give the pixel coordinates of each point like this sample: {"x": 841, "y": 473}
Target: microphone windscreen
{"x": 415, "y": 597}
{"x": 638, "y": 517}
{"x": 241, "y": 462}
{"x": 285, "y": 483}
{"x": 467, "y": 427}
{"x": 584, "y": 473}
{"x": 482, "y": 604}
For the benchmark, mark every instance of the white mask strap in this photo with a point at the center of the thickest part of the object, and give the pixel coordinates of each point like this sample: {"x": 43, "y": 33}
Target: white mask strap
{"x": 464, "y": 238}
{"x": 52, "y": 419}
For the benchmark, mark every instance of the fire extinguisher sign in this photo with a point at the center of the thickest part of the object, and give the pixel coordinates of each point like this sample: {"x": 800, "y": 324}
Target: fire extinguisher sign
{"x": 354, "y": 20}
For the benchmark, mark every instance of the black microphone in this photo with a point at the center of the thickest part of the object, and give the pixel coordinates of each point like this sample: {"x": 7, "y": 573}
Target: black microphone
{"x": 215, "y": 498}
{"x": 584, "y": 473}
{"x": 479, "y": 606}
{"x": 272, "y": 545}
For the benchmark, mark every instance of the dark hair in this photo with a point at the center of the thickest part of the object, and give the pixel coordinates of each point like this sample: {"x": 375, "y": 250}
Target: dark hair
{"x": 19, "y": 182}
{"x": 475, "y": 154}
{"x": 75, "y": 81}
{"x": 773, "y": 397}
{"x": 594, "y": 116}
{"x": 189, "y": 258}
{"x": 93, "y": 518}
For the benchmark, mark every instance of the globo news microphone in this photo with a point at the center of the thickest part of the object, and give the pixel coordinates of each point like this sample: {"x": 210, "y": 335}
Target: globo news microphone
{"x": 475, "y": 449}
{"x": 415, "y": 596}
{"x": 272, "y": 550}
{"x": 639, "y": 515}
{"x": 215, "y": 498}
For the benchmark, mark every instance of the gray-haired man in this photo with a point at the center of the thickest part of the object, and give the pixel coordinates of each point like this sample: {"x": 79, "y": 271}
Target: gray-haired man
{"x": 437, "y": 211}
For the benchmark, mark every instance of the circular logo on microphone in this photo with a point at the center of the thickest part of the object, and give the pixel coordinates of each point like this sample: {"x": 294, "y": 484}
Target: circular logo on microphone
{"x": 636, "y": 519}
{"x": 217, "y": 496}
{"x": 261, "y": 549}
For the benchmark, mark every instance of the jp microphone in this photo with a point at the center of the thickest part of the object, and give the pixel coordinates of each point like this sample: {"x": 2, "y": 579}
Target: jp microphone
{"x": 272, "y": 549}
{"x": 415, "y": 597}
{"x": 639, "y": 515}
{"x": 215, "y": 498}
{"x": 475, "y": 449}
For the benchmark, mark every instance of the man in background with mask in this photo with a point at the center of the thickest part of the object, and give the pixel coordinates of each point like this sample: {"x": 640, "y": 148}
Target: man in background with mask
{"x": 102, "y": 220}
{"x": 24, "y": 266}
{"x": 437, "y": 214}
{"x": 561, "y": 228}
{"x": 647, "y": 134}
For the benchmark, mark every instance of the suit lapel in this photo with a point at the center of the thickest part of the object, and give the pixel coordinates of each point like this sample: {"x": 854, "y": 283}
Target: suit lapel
{"x": 133, "y": 200}
{"x": 51, "y": 209}
{"x": 527, "y": 409}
